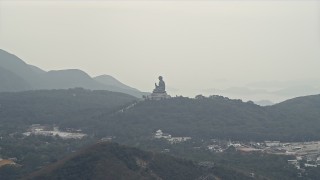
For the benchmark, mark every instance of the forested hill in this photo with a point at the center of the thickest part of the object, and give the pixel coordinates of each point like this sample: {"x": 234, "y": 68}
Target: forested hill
{"x": 112, "y": 161}
{"x": 203, "y": 117}
{"x": 219, "y": 117}
{"x": 306, "y": 106}
{"x": 71, "y": 107}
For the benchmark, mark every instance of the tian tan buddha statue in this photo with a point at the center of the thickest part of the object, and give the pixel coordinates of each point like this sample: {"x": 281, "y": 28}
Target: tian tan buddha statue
{"x": 161, "y": 88}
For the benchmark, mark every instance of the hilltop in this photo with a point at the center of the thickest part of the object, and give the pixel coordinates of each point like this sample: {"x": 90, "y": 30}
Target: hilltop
{"x": 207, "y": 117}
{"x": 219, "y": 117}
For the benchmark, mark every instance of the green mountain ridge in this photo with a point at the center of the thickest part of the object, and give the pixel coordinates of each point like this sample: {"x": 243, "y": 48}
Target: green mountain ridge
{"x": 211, "y": 117}
{"x": 70, "y": 107}
{"x": 219, "y": 117}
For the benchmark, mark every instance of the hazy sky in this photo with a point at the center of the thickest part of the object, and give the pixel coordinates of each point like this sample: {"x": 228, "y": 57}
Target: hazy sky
{"x": 195, "y": 45}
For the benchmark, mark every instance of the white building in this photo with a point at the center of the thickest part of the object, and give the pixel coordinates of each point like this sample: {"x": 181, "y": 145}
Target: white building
{"x": 272, "y": 143}
{"x": 174, "y": 140}
{"x": 159, "y": 134}
{"x": 293, "y": 162}
{"x": 310, "y": 165}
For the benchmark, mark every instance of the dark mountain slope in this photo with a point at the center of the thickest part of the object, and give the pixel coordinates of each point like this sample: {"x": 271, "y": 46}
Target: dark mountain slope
{"x": 115, "y": 85}
{"x": 71, "y": 78}
{"x": 299, "y": 105}
{"x": 12, "y": 82}
{"x": 14, "y": 64}
{"x": 112, "y": 161}
{"x": 20, "y": 68}
{"x": 301, "y": 115}
{"x": 218, "y": 117}
{"x": 37, "y": 70}
{"x": 215, "y": 117}
{"x": 111, "y": 81}
{"x": 71, "y": 107}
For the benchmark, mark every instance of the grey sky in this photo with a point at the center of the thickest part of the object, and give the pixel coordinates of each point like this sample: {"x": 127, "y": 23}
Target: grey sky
{"x": 194, "y": 45}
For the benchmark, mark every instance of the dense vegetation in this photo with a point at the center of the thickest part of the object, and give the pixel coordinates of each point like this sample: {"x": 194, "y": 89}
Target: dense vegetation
{"x": 264, "y": 166}
{"x": 34, "y": 152}
{"x": 203, "y": 118}
{"x": 111, "y": 161}
{"x": 219, "y": 117}
{"x": 66, "y": 108}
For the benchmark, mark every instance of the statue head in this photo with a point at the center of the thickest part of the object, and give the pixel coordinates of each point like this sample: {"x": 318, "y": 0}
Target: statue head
{"x": 160, "y": 78}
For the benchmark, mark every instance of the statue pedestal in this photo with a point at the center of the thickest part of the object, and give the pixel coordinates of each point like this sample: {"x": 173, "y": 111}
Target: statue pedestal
{"x": 158, "y": 96}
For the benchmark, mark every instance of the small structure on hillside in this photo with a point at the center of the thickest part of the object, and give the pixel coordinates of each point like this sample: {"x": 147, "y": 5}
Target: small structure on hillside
{"x": 159, "y": 134}
{"x": 173, "y": 140}
{"x": 159, "y": 91}
{"x": 272, "y": 143}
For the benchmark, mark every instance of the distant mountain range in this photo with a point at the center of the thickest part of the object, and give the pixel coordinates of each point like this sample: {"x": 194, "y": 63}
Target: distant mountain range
{"x": 16, "y": 75}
